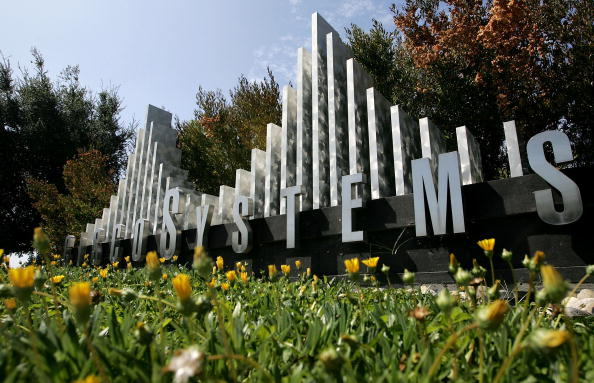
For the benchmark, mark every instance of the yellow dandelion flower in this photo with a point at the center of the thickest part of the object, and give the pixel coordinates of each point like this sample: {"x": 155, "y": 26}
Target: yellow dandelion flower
{"x": 103, "y": 273}
{"x": 174, "y": 258}
{"x": 127, "y": 259}
{"x": 80, "y": 294}
{"x": 53, "y": 263}
{"x": 487, "y": 244}
{"x": 244, "y": 276}
{"x": 272, "y": 271}
{"x": 371, "y": 262}
{"x": 152, "y": 261}
{"x": 220, "y": 263}
{"x": 352, "y": 265}
{"x": 225, "y": 286}
{"x": 182, "y": 286}
{"x": 115, "y": 264}
{"x": 162, "y": 260}
{"x": 10, "y": 304}
{"x": 56, "y": 280}
{"x": 199, "y": 251}
{"x": 95, "y": 279}
{"x": 231, "y": 275}
{"x": 298, "y": 264}
{"x": 165, "y": 277}
{"x": 22, "y": 278}
{"x": 286, "y": 269}
{"x": 212, "y": 283}
{"x": 89, "y": 379}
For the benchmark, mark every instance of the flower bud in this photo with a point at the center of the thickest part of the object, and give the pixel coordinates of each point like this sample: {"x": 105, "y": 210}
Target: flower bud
{"x": 554, "y": 285}
{"x": 385, "y": 269}
{"x": 453, "y": 266}
{"x": 490, "y": 317}
{"x": 477, "y": 270}
{"x": 536, "y": 261}
{"x": 506, "y": 255}
{"x": 203, "y": 264}
{"x": 493, "y": 292}
{"x": 202, "y": 305}
{"x": 330, "y": 359}
{"x": 408, "y": 277}
{"x": 462, "y": 277}
{"x": 5, "y": 291}
{"x": 526, "y": 261}
{"x": 590, "y": 269}
{"x": 547, "y": 340}
{"x": 445, "y": 301}
{"x": 143, "y": 334}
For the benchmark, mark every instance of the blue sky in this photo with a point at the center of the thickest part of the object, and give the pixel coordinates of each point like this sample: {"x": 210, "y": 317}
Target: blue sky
{"x": 159, "y": 52}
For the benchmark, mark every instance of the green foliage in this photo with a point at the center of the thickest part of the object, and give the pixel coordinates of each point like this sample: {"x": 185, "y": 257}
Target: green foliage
{"x": 220, "y": 138}
{"x": 290, "y": 331}
{"x": 88, "y": 186}
{"x": 44, "y": 123}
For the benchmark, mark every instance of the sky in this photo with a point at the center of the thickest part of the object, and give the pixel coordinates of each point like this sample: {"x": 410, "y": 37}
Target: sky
{"x": 159, "y": 52}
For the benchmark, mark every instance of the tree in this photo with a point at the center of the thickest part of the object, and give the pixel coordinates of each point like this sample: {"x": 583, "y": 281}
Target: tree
{"x": 44, "y": 123}
{"x": 220, "y": 138}
{"x": 88, "y": 189}
{"x": 477, "y": 63}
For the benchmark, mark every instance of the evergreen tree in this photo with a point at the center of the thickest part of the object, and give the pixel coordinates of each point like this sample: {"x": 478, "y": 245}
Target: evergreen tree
{"x": 43, "y": 124}
{"x": 220, "y": 138}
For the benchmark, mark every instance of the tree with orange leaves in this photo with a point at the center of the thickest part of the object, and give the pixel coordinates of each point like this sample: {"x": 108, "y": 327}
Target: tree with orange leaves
{"x": 479, "y": 63}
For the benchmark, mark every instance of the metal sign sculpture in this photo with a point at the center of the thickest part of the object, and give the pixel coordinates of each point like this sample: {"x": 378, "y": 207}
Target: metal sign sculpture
{"x": 341, "y": 143}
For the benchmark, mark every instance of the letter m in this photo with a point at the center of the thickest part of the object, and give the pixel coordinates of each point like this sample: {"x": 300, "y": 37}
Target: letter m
{"x": 424, "y": 186}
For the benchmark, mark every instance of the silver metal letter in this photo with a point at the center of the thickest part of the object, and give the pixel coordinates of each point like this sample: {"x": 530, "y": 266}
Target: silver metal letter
{"x": 290, "y": 194}
{"x": 424, "y": 186}
{"x": 570, "y": 193}
{"x": 241, "y": 240}
{"x": 170, "y": 234}
{"x": 141, "y": 232}
{"x": 203, "y": 219}
{"x": 349, "y": 183}
{"x": 118, "y": 234}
